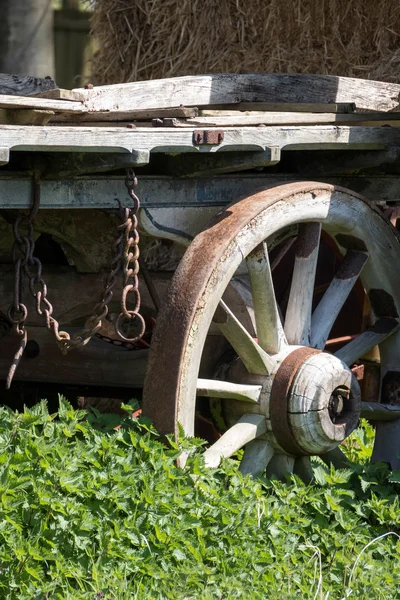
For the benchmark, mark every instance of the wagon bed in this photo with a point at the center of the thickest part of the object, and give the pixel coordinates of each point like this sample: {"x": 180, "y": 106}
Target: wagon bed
{"x": 197, "y": 144}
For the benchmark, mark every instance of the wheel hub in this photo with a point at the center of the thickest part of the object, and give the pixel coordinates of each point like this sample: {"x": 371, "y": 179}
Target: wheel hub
{"x": 312, "y": 402}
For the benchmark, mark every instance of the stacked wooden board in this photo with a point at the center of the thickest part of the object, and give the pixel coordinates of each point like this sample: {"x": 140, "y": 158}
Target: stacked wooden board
{"x": 207, "y": 101}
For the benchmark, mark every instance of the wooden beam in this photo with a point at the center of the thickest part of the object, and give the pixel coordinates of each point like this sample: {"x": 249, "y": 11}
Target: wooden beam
{"x": 230, "y": 109}
{"x": 109, "y": 139}
{"x": 199, "y": 164}
{"x": 125, "y": 115}
{"x": 235, "y": 88}
{"x": 97, "y": 363}
{"x": 160, "y": 193}
{"x": 7, "y": 101}
{"x": 285, "y": 118}
{"x": 22, "y": 116}
{"x": 59, "y": 94}
{"x": 375, "y": 411}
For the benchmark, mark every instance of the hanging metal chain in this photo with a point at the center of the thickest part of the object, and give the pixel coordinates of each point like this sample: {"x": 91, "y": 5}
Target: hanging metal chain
{"x": 126, "y": 256}
{"x": 130, "y": 265}
{"x": 44, "y": 307}
{"x": 22, "y": 254}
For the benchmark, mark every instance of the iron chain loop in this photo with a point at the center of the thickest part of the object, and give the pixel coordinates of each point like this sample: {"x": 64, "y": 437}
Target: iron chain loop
{"x": 126, "y": 256}
{"x": 130, "y": 265}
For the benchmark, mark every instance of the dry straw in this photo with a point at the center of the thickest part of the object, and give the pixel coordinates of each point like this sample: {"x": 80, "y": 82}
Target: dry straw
{"x": 149, "y": 39}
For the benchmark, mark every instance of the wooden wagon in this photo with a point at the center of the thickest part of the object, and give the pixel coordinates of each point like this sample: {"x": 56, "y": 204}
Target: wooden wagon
{"x": 270, "y": 255}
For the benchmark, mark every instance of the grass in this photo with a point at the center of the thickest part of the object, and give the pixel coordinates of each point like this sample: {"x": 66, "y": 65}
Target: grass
{"x": 90, "y": 512}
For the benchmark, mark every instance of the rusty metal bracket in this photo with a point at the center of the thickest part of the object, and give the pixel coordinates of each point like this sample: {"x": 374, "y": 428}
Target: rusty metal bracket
{"x": 208, "y": 137}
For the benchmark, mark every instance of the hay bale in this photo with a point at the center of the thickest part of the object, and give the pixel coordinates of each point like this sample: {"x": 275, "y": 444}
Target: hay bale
{"x": 143, "y": 39}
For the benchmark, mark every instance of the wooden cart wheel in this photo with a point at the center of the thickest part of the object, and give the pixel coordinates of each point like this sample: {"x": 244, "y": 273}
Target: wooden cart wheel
{"x": 285, "y": 397}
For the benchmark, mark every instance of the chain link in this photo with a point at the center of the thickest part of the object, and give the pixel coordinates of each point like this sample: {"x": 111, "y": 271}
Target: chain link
{"x": 130, "y": 265}
{"x": 126, "y": 255}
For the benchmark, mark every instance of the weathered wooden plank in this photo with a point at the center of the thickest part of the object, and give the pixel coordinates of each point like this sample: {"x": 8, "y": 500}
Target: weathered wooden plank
{"x": 127, "y": 115}
{"x": 247, "y": 107}
{"x": 22, "y": 116}
{"x": 167, "y": 194}
{"x": 21, "y": 85}
{"x": 285, "y": 118}
{"x": 60, "y": 165}
{"x": 216, "y": 163}
{"x": 7, "y": 101}
{"x": 97, "y": 363}
{"x": 13, "y": 102}
{"x": 74, "y": 294}
{"x": 59, "y": 94}
{"x": 235, "y": 88}
{"x": 175, "y": 140}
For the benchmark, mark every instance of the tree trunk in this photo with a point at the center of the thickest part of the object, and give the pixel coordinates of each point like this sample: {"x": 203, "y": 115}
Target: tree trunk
{"x": 26, "y": 37}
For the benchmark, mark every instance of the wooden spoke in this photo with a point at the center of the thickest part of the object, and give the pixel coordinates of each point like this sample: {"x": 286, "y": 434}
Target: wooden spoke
{"x": 298, "y": 314}
{"x": 287, "y": 244}
{"x": 367, "y": 340}
{"x": 248, "y": 428}
{"x": 303, "y": 469}
{"x": 212, "y": 388}
{"x": 280, "y": 465}
{"x": 256, "y": 456}
{"x": 329, "y": 307}
{"x": 386, "y": 445}
{"x": 253, "y": 356}
{"x": 268, "y": 323}
{"x": 375, "y": 411}
{"x": 336, "y": 458}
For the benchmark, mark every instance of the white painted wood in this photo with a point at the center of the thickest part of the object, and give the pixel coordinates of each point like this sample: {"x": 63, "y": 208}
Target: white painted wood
{"x": 280, "y": 466}
{"x": 246, "y": 429}
{"x": 286, "y": 118}
{"x": 364, "y": 343}
{"x": 298, "y": 314}
{"x": 375, "y": 411}
{"x": 268, "y": 323}
{"x": 256, "y": 457}
{"x": 159, "y": 139}
{"x": 213, "y": 388}
{"x": 233, "y": 88}
{"x": 335, "y": 296}
{"x": 40, "y": 103}
{"x": 303, "y": 468}
{"x": 253, "y": 356}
